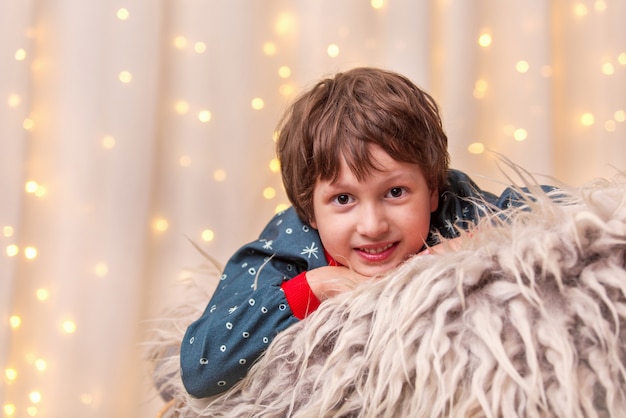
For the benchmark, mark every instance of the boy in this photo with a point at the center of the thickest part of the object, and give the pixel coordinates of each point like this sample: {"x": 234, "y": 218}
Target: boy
{"x": 364, "y": 162}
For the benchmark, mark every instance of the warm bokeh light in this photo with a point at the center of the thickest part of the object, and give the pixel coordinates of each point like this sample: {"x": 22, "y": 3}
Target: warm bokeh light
{"x": 185, "y": 161}
{"x": 274, "y": 165}
{"x": 608, "y": 69}
{"x": 20, "y": 55}
{"x": 476, "y": 148}
{"x": 9, "y": 409}
{"x": 269, "y": 48}
{"x": 122, "y": 14}
{"x": 580, "y": 9}
{"x": 15, "y": 321}
{"x": 286, "y": 90}
{"x": 484, "y": 40}
{"x": 108, "y": 142}
{"x": 180, "y": 42}
{"x": 101, "y": 269}
{"x": 520, "y": 134}
{"x": 14, "y": 100}
{"x": 257, "y": 103}
{"x": 181, "y": 107}
{"x": 86, "y": 398}
{"x": 10, "y": 374}
{"x": 35, "y": 396}
{"x": 125, "y": 77}
{"x": 199, "y": 47}
{"x": 269, "y": 193}
{"x": 281, "y": 207}
{"x": 42, "y": 294}
{"x": 30, "y": 252}
{"x": 12, "y": 250}
{"x": 41, "y": 365}
{"x": 587, "y": 119}
{"x": 28, "y": 124}
{"x": 219, "y": 175}
{"x": 208, "y": 235}
{"x": 285, "y": 23}
{"x": 284, "y": 72}
{"x": 204, "y": 116}
{"x": 480, "y": 89}
{"x": 599, "y": 5}
{"x": 333, "y": 50}
{"x": 69, "y": 327}
{"x": 160, "y": 225}
{"x": 522, "y": 66}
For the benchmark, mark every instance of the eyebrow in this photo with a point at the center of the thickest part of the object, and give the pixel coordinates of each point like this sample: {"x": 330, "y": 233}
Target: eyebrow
{"x": 391, "y": 176}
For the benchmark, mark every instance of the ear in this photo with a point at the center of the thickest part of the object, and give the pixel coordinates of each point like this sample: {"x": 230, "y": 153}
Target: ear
{"x": 312, "y": 222}
{"x": 434, "y": 199}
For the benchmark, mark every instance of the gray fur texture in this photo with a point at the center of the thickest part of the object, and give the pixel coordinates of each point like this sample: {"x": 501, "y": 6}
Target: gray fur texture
{"x": 527, "y": 319}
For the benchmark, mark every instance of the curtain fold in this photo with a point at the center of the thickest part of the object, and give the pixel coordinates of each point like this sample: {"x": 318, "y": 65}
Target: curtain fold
{"x": 129, "y": 129}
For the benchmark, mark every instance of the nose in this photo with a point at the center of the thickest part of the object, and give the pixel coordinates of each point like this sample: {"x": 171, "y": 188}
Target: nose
{"x": 373, "y": 221}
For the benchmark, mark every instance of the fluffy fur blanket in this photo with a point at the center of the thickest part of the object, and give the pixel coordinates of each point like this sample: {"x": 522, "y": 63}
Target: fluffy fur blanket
{"x": 528, "y": 318}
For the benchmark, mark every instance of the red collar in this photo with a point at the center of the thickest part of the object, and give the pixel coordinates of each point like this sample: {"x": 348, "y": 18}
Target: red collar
{"x": 331, "y": 261}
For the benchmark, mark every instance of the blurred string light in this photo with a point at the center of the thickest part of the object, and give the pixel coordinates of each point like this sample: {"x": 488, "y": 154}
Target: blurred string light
{"x": 14, "y": 100}
{"x": 522, "y": 66}
{"x": 185, "y": 161}
{"x": 20, "y": 54}
{"x": 108, "y": 142}
{"x": 199, "y": 47}
{"x": 219, "y": 175}
{"x": 269, "y": 48}
{"x": 269, "y": 193}
{"x": 160, "y": 225}
{"x": 125, "y": 77}
{"x": 257, "y": 103}
{"x": 123, "y": 14}
{"x": 181, "y": 107}
{"x": 69, "y": 326}
{"x": 484, "y": 39}
{"x": 42, "y": 294}
{"x": 333, "y": 50}
{"x": 284, "y": 71}
{"x": 101, "y": 269}
{"x": 208, "y": 235}
{"x": 285, "y": 24}
{"x": 204, "y": 116}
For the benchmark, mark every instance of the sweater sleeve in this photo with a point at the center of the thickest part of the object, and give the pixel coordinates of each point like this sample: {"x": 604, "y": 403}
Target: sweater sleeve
{"x": 463, "y": 203}
{"x": 249, "y": 306}
{"x": 300, "y": 297}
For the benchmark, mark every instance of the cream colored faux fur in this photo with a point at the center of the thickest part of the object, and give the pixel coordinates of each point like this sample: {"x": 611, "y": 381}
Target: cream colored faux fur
{"x": 528, "y": 319}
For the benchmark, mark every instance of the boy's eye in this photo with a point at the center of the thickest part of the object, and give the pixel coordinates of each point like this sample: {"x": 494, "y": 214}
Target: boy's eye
{"x": 396, "y": 191}
{"x": 342, "y": 199}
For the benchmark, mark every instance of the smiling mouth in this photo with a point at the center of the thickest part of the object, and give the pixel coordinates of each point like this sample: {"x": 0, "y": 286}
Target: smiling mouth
{"x": 376, "y": 250}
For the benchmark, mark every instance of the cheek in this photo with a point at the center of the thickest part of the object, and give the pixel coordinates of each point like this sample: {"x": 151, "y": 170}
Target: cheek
{"x": 434, "y": 200}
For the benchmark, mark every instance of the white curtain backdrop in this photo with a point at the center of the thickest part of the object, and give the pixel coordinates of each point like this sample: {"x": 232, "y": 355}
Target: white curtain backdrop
{"x": 128, "y": 128}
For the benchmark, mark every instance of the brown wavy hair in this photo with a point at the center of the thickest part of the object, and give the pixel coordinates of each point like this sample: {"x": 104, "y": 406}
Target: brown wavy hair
{"x": 341, "y": 116}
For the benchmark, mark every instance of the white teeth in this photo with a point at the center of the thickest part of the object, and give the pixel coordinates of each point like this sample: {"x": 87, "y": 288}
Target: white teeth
{"x": 376, "y": 250}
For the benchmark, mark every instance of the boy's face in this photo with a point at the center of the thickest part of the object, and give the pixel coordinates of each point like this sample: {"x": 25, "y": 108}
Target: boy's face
{"x": 374, "y": 225}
